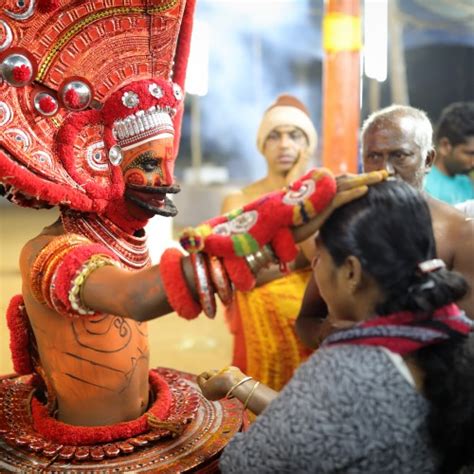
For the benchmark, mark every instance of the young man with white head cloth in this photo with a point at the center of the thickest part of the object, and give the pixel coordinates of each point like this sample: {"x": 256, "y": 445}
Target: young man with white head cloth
{"x": 286, "y": 138}
{"x": 265, "y": 344}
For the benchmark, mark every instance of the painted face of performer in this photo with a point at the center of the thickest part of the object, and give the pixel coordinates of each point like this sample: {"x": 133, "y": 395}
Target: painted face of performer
{"x": 148, "y": 175}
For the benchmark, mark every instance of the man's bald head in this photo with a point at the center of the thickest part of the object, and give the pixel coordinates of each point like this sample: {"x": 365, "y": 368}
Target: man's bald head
{"x": 398, "y": 138}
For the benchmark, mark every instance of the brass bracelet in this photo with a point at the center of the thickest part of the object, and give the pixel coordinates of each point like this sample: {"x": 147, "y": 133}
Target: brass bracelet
{"x": 240, "y": 382}
{"x": 249, "y": 396}
{"x": 261, "y": 259}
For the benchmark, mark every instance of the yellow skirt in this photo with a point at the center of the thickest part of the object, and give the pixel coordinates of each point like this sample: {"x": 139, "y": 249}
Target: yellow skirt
{"x": 266, "y": 346}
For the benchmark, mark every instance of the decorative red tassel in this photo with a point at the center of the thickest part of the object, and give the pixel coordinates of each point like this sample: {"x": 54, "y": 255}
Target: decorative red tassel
{"x": 72, "y": 98}
{"x": 21, "y": 73}
{"x": 18, "y": 324}
{"x": 47, "y": 6}
{"x": 46, "y": 104}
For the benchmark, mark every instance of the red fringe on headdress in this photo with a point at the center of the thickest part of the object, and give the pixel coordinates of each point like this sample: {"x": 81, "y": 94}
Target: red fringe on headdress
{"x": 53, "y": 193}
{"x": 18, "y": 324}
{"x": 63, "y": 433}
{"x": 47, "y": 6}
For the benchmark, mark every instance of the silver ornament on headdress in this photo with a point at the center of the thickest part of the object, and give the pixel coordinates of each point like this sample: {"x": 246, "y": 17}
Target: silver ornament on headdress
{"x": 115, "y": 155}
{"x": 83, "y": 93}
{"x": 37, "y": 103}
{"x": 178, "y": 93}
{"x": 130, "y": 99}
{"x": 156, "y": 91}
{"x": 9, "y": 63}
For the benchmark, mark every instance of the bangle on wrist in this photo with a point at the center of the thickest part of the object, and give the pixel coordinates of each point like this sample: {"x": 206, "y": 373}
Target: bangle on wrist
{"x": 261, "y": 259}
{"x": 203, "y": 284}
{"x": 220, "y": 280}
{"x": 250, "y": 395}
{"x": 240, "y": 382}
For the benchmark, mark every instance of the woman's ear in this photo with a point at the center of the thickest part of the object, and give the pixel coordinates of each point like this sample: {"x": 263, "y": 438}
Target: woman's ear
{"x": 352, "y": 273}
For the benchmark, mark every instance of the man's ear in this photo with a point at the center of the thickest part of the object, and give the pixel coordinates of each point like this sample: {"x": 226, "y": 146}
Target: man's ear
{"x": 444, "y": 147}
{"x": 430, "y": 159}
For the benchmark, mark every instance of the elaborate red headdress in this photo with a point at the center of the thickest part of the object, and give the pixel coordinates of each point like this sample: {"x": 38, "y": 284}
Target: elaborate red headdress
{"x": 78, "y": 79}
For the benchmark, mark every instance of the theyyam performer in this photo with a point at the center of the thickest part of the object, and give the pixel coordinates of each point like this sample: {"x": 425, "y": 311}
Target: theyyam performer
{"x": 91, "y": 101}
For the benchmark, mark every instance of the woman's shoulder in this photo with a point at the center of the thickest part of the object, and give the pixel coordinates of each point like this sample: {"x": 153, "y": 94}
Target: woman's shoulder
{"x": 357, "y": 358}
{"x": 356, "y": 370}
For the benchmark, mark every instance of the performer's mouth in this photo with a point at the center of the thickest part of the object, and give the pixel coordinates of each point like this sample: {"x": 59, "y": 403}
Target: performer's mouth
{"x": 153, "y": 199}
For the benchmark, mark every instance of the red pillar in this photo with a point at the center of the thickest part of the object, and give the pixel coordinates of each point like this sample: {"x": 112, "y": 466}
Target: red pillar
{"x": 341, "y": 85}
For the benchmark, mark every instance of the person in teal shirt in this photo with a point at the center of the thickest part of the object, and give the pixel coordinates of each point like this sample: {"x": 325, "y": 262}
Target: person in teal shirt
{"x": 449, "y": 180}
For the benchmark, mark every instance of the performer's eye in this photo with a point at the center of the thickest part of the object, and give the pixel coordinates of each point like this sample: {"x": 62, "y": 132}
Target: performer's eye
{"x": 149, "y": 164}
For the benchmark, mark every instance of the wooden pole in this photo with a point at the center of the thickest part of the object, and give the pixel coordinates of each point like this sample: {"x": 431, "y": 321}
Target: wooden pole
{"x": 398, "y": 70}
{"x": 341, "y": 85}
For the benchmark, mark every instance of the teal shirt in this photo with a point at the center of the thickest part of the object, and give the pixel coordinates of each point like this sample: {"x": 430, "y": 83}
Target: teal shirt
{"x": 450, "y": 189}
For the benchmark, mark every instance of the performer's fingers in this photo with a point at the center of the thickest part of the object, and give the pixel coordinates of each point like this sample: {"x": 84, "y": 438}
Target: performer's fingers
{"x": 206, "y": 375}
{"x": 202, "y": 379}
{"x": 353, "y": 181}
{"x": 307, "y": 230}
{"x": 347, "y": 196}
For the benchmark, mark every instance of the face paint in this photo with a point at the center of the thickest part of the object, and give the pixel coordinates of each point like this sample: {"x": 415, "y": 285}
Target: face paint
{"x": 148, "y": 174}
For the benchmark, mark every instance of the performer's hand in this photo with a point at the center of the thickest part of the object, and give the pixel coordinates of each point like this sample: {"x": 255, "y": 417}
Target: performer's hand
{"x": 268, "y": 220}
{"x": 349, "y": 188}
{"x": 214, "y": 384}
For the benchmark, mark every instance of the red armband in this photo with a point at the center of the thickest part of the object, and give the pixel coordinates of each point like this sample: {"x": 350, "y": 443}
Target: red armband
{"x": 71, "y": 274}
{"x": 177, "y": 291}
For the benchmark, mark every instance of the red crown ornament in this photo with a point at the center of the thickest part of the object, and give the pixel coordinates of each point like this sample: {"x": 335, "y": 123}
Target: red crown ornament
{"x": 67, "y": 105}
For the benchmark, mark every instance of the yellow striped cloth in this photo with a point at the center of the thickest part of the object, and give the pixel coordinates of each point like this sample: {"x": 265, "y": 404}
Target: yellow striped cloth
{"x": 266, "y": 346}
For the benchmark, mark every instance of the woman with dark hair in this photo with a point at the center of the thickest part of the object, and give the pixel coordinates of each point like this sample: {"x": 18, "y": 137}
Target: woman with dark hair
{"x": 392, "y": 391}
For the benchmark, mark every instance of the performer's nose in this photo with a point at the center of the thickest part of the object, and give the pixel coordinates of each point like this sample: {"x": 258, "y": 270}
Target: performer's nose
{"x": 166, "y": 175}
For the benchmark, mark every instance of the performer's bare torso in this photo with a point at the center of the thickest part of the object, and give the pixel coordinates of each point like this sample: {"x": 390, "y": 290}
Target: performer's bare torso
{"x": 96, "y": 365}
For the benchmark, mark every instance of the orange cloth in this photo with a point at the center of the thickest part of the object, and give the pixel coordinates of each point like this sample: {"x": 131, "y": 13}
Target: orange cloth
{"x": 266, "y": 346}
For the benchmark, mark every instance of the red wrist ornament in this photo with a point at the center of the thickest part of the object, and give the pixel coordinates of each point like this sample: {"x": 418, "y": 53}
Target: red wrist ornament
{"x": 177, "y": 291}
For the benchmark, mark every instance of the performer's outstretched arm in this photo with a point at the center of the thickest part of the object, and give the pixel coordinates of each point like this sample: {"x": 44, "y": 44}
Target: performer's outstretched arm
{"x": 77, "y": 277}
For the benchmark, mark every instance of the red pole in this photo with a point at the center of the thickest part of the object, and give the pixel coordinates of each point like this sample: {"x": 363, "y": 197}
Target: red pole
{"x": 341, "y": 85}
